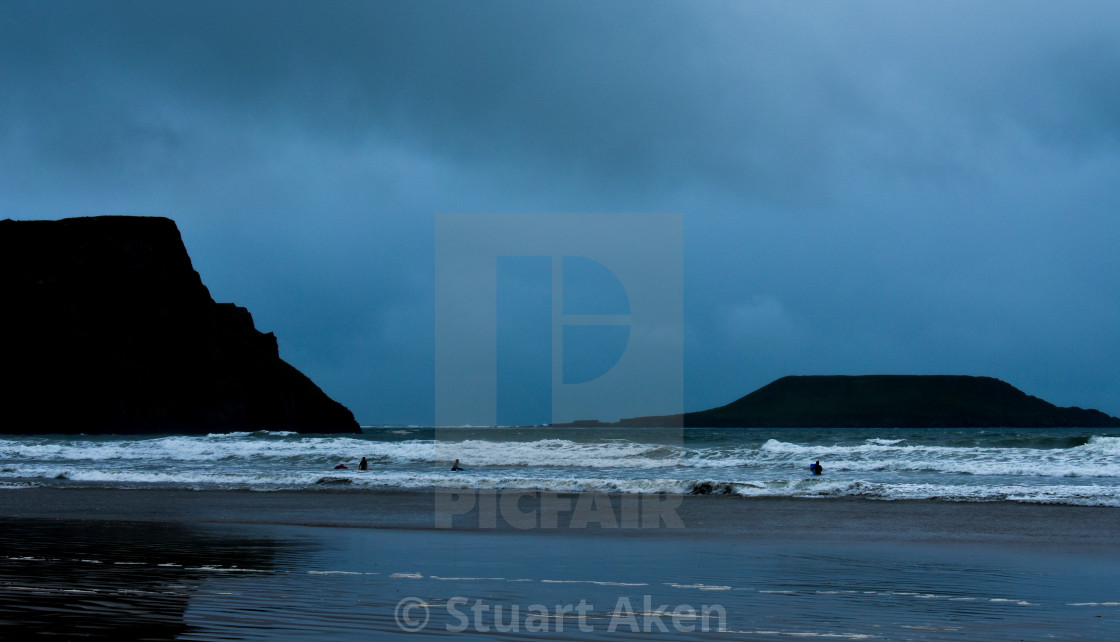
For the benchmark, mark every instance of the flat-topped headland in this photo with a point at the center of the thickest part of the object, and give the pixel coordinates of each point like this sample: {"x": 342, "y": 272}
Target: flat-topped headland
{"x": 109, "y": 329}
{"x": 885, "y": 401}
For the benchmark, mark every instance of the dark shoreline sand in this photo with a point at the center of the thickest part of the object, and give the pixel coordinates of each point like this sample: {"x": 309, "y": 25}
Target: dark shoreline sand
{"x": 700, "y": 515}
{"x": 293, "y": 565}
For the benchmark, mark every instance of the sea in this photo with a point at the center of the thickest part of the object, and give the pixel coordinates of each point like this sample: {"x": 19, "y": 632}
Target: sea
{"x": 1076, "y": 466}
{"x": 987, "y": 562}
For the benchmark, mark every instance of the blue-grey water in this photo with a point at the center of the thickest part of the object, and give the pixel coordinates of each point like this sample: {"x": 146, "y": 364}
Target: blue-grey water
{"x": 1065, "y": 466}
{"x": 262, "y": 582}
{"x": 64, "y": 573}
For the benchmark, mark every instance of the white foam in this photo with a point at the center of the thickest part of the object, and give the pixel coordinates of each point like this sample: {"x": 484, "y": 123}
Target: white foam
{"x": 470, "y": 579}
{"x": 1015, "y": 602}
{"x": 594, "y": 582}
{"x": 1093, "y": 459}
{"x": 884, "y": 442}
{"x": 810, "y": 634}
{"x": 875, "y": 467}
{"x": 225, "y": 569}
{"x": 15, "y": 485}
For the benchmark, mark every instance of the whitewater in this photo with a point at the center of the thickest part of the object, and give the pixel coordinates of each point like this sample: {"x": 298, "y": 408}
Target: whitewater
{"x": 1061, "y": 466}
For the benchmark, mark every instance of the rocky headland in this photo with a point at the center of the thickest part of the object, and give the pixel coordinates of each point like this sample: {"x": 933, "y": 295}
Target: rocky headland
{"x": 886, "y": 401}
{"x": 109, "y": 329}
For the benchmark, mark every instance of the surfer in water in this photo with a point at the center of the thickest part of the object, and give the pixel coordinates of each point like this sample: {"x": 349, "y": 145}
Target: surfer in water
{"x": 363, "y": 465}
{"x": 456, "y": 465}
{"x": 816, "y": 468}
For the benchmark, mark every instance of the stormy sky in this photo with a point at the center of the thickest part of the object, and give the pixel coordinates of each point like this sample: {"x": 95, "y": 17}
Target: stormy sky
{"x": 865, "y": 187}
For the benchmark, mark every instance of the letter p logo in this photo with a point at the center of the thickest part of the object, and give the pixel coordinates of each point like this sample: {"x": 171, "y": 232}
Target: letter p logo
{"x": 548, "y": 318}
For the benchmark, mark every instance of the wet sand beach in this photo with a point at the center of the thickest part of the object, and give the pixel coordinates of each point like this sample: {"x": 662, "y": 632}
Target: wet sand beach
{"x": 292, "y": 565}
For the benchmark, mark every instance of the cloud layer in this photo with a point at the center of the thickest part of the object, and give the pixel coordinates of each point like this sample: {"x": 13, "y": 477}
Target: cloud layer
{"x": 924, "y": 187}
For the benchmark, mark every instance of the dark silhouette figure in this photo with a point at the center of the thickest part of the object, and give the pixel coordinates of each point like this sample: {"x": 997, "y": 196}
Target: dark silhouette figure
{"x": 363, "y": 465}
{"x": 816, "y": 468}
{"x": 456, "y": 465}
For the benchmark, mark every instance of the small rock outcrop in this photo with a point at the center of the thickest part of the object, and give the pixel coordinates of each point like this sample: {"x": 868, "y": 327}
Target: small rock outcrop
{"x": 108, "y": 329}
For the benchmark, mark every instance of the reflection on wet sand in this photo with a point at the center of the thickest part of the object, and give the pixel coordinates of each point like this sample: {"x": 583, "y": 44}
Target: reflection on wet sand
{"x": 120, "y": 579}
{"x": 357, "y": 566}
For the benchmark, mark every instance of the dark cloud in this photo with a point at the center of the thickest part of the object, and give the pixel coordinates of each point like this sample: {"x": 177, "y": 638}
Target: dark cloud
{"x": 867, "y": 187}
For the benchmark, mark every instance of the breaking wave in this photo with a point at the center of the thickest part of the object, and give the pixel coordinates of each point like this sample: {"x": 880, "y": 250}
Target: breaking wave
{"x": 1070, "y": 466}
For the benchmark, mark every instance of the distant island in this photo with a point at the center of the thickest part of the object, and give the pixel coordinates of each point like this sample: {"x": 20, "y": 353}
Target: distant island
{"x": 107, "y": 328}
{"x": 883, "y": 401}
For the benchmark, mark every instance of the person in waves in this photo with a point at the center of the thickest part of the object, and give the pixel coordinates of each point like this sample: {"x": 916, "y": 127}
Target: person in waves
{"x": 456, "y": 465}
{"x": 363, "y": 465}
{"x": 816, "y": 468}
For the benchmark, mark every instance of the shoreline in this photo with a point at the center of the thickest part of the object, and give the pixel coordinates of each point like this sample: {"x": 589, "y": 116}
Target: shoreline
{"x": 219, "y": 564}
{"x": 592, "y": 514}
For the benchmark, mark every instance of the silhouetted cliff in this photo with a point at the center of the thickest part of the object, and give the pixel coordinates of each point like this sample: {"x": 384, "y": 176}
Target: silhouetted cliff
{"x": 887, "y": 401}
{"x": 108, "y": 329}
